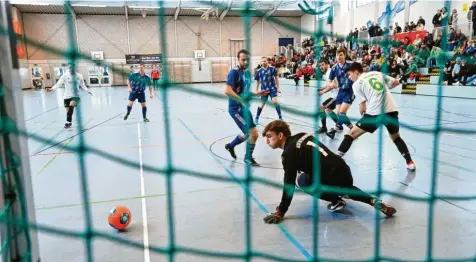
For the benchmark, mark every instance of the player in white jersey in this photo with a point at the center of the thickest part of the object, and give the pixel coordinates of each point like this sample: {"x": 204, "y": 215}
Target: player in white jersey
{"x": 377, "y": 106}
{"x": 71, "y": 92}
{"x": 327, "y": 107}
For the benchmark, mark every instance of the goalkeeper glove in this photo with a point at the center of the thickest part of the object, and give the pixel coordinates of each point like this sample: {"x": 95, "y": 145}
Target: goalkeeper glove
{"x": 273, "y": 218}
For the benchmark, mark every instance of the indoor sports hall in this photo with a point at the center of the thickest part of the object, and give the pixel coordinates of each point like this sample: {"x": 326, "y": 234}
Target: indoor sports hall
{"x": 129, "y": 160}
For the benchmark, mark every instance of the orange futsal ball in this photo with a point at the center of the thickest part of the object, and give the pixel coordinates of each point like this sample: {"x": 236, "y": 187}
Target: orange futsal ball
{"x": 119, "y": 217}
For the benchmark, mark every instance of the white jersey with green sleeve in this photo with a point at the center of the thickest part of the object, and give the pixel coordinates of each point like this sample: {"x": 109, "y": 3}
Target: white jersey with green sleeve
{"x": 71, "y": 89}
{"x": 373, "y": 88}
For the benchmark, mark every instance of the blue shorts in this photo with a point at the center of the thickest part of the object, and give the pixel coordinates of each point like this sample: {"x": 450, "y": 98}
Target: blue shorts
{"x": 272, "y": 93}
{"x": 139, "y": 96}
{"x": 345, "y": 97}
{"x": 242, "y": 118}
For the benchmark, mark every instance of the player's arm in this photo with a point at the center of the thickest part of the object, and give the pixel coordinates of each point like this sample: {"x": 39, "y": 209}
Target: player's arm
{"x": 391, "y": 82}
{"x": 290, "y": 174}
{"x": 58, "y": 84}
{"x": 331, "y": 84}
{"x": 359, "y": 96}
{"x": 82, "y": 84}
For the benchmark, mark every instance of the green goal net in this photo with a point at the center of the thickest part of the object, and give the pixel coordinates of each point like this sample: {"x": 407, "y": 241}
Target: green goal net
{"x": 18, "y": 225}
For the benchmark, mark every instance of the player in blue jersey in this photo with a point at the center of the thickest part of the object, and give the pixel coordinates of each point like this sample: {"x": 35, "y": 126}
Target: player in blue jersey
{"x": 267, "y": 76}
{"x": 345, "y": 95}
{"x": 137, "y": 83}
{"x": 238, "y": 84}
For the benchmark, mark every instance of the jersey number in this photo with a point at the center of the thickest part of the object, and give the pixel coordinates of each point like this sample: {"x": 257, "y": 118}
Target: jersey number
{"x": 310, "y": 143}
{"x": 375, "y": 84}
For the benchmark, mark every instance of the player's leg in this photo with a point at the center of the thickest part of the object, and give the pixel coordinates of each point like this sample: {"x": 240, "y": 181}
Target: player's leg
{"x": 366, "y": 124}
{"x": 392, "y": 124}
{"x": 338, "y": 127}
{"x": 326, "y": 108}
{"x": 304, "y": 182}
{"x": 253, "y": 134}
{"x": 66, "y": 104}
{"x": 130, "y": 102}
{"x": 345, "y": 180}
{"x": 144, "y": 106}
{"x": 342, "y": 115}
{"x": 260, "y": 108}
{"x": 274, "y": 98}
{"x": 236, "y": 115}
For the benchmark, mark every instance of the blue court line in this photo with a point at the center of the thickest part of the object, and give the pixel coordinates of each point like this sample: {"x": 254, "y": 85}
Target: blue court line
{"x": 298, "y": 245}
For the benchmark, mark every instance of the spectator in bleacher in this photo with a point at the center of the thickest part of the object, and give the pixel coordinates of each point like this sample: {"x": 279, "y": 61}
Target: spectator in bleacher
{"x": 437, "y": 19}
{"x": 464, "y": 73}
{"x": 453, "y": 18}
{"x": 394, "y": 69}
{"x": 447, "y": 70}
{"x": 456, "y": 69}
{"x": 473, "y": 16}
{"x": 460, "y": 38}
{"x": 397, "y": 29}
{"x": 434, "y": 58}
{"x": 451, "y": 39}
{"x": 412, "y": 26}
{"x": 407, "y": 27}
{"x": 424, "y": 53}
{"x": 470, "y": 49}
{"x": 421, "y": 21}
{"x": 411, "y": 71}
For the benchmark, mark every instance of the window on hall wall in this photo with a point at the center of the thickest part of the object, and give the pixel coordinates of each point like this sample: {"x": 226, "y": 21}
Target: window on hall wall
{"x": 359, "y": 3}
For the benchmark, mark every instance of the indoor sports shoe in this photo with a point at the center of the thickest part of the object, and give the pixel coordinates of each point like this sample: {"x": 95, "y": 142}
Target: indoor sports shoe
{"x": 68, "y": 125}
{"x": 338, "y": 205}
{"x": 231, "y": 150}
{"x": 385, "y": 208}
{"x": 411, "y": 166}
{"x": 256, "y": 121}
{"x": 331, "y": 134}
{"x": 251, "y": 162}
{"x": 322, "y": 130}
{"x": 126, "y": 116}
{"x": 146, "y": 120}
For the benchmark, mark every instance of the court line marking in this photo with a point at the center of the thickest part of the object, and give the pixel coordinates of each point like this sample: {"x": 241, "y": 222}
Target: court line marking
{"x": 142, "y": 194}
{"x": 125, "y": 148}
{"x": 298, "y": 245}
{"x": 465, "y": 137}
{"x": 59, "y": 152}
{"x": 79, "y": 133}
{"x": 39, "y": 208}
{"x": 31, "y": 118}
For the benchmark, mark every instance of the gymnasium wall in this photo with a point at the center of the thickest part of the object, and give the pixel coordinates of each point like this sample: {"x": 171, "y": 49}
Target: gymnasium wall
{"x": 108, "y": 33}
{"x": 345, "y": 19}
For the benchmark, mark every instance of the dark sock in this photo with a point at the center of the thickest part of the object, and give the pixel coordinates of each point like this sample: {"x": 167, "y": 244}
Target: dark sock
{"x": 249, "y": 152}
{"x": 144, "y": 111}
{"x": 278, "y": 109}
{"x": 343, "y": 119}
{"x": 238, "y": 140}
{"x": 361, "y": 197}
{"x": 69, "y": 114}
{"x": 334, "y": 116}
{"x": 323, "y": 116}
{"x": 346, "y": 143}
{"x": 258, "y": 112}
{"x": 129, "y": 108}
{"x": 402, "y": 147}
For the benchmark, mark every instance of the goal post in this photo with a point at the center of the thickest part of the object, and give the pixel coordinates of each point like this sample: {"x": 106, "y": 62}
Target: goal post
{"x": 16, "y": 193}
